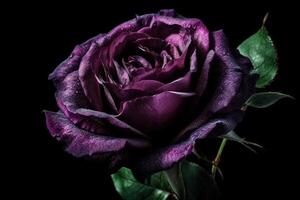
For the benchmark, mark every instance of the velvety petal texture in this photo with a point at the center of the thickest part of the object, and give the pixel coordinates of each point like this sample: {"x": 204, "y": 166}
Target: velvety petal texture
{"x": 166, "y": 157}
{"x": 143, "y": 94}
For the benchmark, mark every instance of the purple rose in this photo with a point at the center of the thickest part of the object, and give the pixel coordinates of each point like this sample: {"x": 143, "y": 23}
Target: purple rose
{"x": 144, "y": 93}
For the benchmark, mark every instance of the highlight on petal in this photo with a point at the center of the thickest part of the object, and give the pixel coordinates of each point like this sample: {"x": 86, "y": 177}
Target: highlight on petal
{"x": 201, "y": 38}
{"x": 179, "y": 40}
{"x": 204, "y": 75}
{"x": 81, "y": 143}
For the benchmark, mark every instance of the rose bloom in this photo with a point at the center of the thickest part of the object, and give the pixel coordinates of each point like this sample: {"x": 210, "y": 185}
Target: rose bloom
{"x": 143, "y": 94}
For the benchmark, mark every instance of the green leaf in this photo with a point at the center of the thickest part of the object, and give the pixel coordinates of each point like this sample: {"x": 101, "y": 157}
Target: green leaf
{"x": 199, "y": 184}
{"x": 159, "y": 180}
{"x": 265, "y": 99}
{"x": 259, "y": 48}
{"x": 131, "y": 189}
{"x": 175, "y": 179}
{"x": 231, "y": 135}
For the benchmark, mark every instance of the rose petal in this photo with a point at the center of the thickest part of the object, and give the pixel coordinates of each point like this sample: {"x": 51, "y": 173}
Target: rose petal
{"x": 201, "y": 86}
{"x": 137, "y": 63}
{"x": 145, "y": 85}
{"x": 122, "y": 73}
{"x": 132, "y": 26}
{"x": 159, "y": 29}
{"x": 194, "y": 62}
{"x": 232, "y": 75}
{"x": 159, "y": 111}
{"x": 120, "y": 43}
{"x": 82, "y": 143}
{"x": 71, "y": 100}
{"x": 201, "y": 38}
{"x": 166, "y": 58}
{"x": 124, "y": 94}
{"x": 174, "y": 51}
{"x": 179, "y": 62}
{"x": 233, "y": 82}
{"x": 182, "y": 84}
{"x": 204, "y": 76}
{"x": 72, "y": 63}
{"x": 164, "y": 158}
{"x": 179, "y": 40}
{"x": 124, "y": 128}
{"x": 89, "y": 67}
{"x": 162, "y": 26}
{"x": 171, "y": 71}
{"x": 108, "y": 95}
{"x": 70, "y": 97}
{"x": 248, "y": 82}
{"x": 201, "y": 33}
{"x": 152, "y": 43}
{"x": 152, "y": 56}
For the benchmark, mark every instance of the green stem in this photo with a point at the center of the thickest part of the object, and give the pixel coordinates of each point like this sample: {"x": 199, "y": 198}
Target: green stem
{"x": 175, "y": 179}
{"x": 218, "y": 157}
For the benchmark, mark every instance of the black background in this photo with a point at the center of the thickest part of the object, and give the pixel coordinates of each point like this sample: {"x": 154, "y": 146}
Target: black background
{"x": 45, "y": 34}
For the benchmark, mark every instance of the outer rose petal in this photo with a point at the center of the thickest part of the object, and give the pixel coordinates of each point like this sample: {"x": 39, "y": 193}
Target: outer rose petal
{"x": 72, "y": 63}
{"x": 82, "y": 143}
{"x": 249, "y": 81}
{"x": 201, "y": 33}
{"x": 87, "y": 71}
{"x": 165, "y": 157}
{"x": 132, "y": 26}
{"x": 70, "y": 97}
{"x": 137, "y": 23}
{"x": 233, "y": 82}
